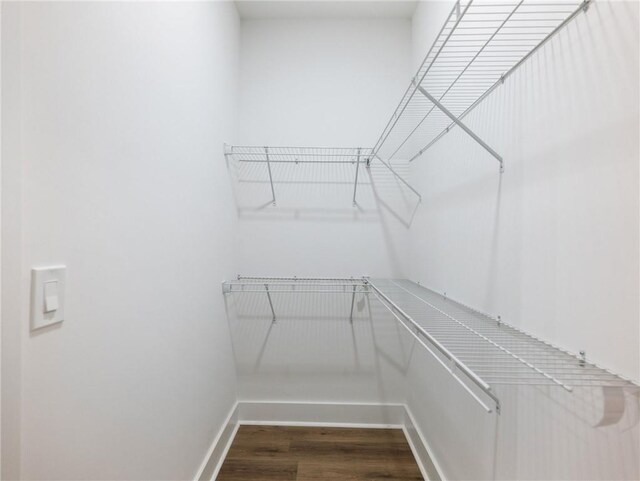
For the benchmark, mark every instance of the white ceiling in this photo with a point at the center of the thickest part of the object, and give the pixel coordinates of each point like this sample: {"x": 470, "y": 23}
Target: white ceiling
{"x": 326, "y": 8}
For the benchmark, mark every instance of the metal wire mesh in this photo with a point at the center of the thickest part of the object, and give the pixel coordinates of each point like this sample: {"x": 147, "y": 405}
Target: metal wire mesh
{"x": 496, "y": 352}
{"x": 478, "y": 350}
{"x": 298, "y": 155}
{"x": 480, "y": 44}
{"x": 293, "y": 285}
{"x": 318, "y": 175}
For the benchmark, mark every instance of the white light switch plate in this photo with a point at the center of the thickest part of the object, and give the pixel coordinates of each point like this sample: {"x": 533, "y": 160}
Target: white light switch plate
{"x": 47, "y": 295}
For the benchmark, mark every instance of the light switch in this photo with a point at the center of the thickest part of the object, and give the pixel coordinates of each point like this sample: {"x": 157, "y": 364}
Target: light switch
{"x": 51, "y": 296}
{"x": 47, "y": 295}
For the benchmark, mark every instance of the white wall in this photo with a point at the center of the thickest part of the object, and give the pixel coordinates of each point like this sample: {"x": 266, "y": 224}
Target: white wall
{"x": 118, "y": 173}
{"x": 319, "y": 82}
{"x": 551, "y": 245}
{"x": 11, "y": 247}
{"x": 112, "y": 164}
{"x": 313, "y": 353}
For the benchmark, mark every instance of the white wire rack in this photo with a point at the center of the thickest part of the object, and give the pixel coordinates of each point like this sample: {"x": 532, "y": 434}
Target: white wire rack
{"x": 481, "y": 43}
{"x": 478, "y": 350}
{"x": 482, "y": 351}
{"x": 296, "y": 285}
{"x": 358, "y": 157}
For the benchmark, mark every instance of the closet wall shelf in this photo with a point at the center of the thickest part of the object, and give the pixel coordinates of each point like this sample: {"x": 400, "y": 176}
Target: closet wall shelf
{"x": 296, "y": 285}
{"x": 481, "y": 43}
{"x": 479, "y": 351}
{"x": 274, "y": 156}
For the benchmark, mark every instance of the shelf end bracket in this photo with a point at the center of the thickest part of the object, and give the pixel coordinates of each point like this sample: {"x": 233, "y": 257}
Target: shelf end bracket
{"x": 273, "y": 192}
{"x": 273, "y": 312}
{"x": 355, "y": 184}
{"x": 460, "y": 124}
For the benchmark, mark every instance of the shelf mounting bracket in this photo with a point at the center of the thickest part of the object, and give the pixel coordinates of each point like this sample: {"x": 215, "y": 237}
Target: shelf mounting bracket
{"x": 355, "y": 184}
{"x": 273, "y": 313}
{"x": 399, "y": 177}
{"x": 273, "y": 192}
{"x": 353, "y": 301}
{"x": 460, "y": 124}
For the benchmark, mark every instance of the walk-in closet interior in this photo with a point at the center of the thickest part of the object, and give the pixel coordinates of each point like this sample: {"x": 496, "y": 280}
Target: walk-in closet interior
{"x": 305, "y": 240}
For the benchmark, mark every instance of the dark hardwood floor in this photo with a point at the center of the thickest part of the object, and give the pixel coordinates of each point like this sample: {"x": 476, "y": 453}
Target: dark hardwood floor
{"x": 261, "y": 453}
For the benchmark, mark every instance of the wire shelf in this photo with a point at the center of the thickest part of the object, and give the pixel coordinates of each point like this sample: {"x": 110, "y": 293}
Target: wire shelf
{"x": 484, "y": 349}
{"x": 478, "y": 350}
{"x": 294, "y": 285}
{"x": 297, "y": 285}
{"x": 481, "y": 43}
{"x": 298, "y": 155}
{"x": 324, "y": 158}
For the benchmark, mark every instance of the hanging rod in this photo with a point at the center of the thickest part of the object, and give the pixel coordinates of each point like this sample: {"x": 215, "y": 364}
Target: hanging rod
{"x": 479, "y": 45}
{"x": 443, "y": 351}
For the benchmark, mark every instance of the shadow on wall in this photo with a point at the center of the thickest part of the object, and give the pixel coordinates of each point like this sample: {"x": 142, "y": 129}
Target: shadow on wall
{"x": 549, "y": 241}
{"x": 322, "y": 192}
{"x": 313, "y": 351}
{"x": 543, "y": 432}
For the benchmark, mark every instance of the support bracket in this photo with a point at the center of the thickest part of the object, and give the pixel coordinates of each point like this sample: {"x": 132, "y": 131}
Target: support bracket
{"x": 353, "y": 301}
{"x": 355, "y": 184}
{"x": 273, "y": 192}
{"x": 399, "y": 177}
{"x": 460, "y": 124}
{"x": 273, "y": 312}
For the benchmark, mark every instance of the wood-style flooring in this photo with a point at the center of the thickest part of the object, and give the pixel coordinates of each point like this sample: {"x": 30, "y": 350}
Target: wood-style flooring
{"x": 261, "y": 453}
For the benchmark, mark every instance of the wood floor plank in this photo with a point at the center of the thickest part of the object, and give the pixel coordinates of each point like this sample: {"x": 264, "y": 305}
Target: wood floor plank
{"x": 352, "y": 435}
{"x": 371, "y": 471}
{"x": 333, "y": 451}
{"x": 256, "y": 449}
{"x": 258, "y": 470}
{"x": 261, "y": 453}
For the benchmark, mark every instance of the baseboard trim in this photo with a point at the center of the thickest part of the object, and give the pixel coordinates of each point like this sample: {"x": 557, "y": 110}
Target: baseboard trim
{"x": 319, "y": 414}
{"x": 421, "y": 450}
{"x": 219, "y": 447}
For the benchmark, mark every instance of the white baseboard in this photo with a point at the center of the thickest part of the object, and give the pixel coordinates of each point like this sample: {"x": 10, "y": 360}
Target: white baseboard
{"x": 319, "y": 414}
{"x": 421, "y": 450}
{"x": 218, "y": 450}
{"x": 322, "y": 414}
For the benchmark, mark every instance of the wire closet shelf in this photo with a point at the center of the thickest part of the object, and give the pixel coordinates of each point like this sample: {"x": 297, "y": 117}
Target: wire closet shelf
{"x": 481, "y": 43}
{"x": 271, "y": 156}
{"x": 478, "y": 350}
{"x": 297, "y": 285}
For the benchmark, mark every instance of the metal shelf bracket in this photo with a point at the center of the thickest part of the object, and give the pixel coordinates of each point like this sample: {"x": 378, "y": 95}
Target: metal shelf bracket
{"x": 273, "y": 312}
{"x": 273, "y": 192}
{"x": 355, "y": 184}
{"x": 460, "y": 124}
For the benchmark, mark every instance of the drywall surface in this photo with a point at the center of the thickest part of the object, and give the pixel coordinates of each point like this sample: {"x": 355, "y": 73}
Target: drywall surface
{"x": 121, "y": 114}
{"x": 312, "y": 352}
{"x": 319, "y": 82}
{"x": 551, "y": 245}
{"x": 11, "y": 246}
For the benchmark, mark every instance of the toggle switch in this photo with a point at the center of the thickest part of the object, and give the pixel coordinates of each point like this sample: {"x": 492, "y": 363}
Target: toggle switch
{"x": 47, "y": 295}
{"x": 51, "y": 296}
